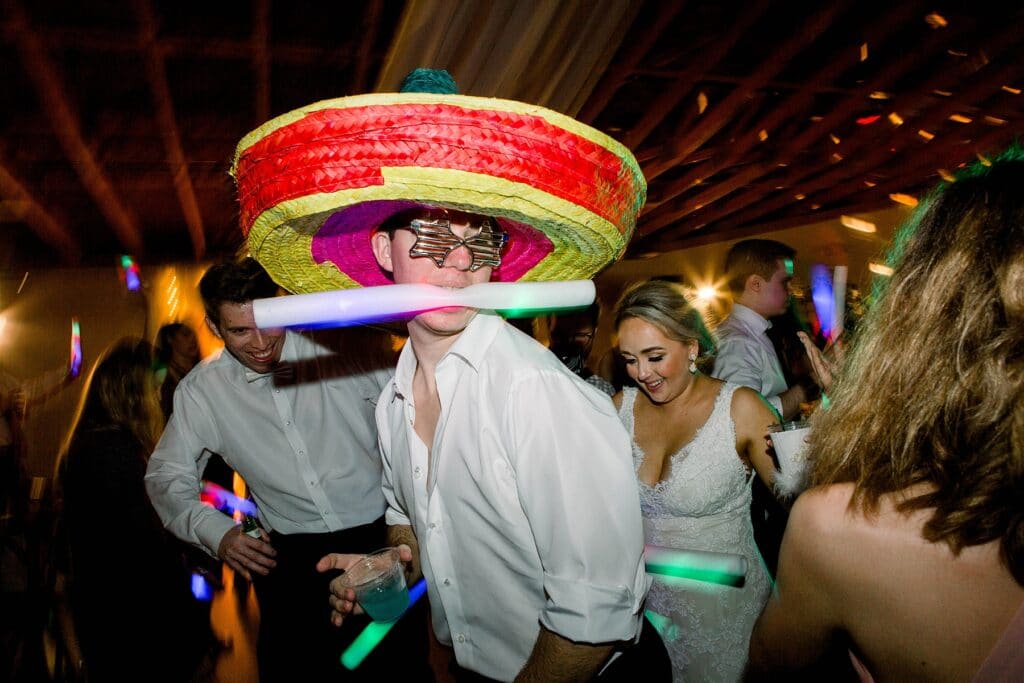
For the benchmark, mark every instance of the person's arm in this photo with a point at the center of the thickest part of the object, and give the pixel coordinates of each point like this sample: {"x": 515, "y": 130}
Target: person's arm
{"x": 173, "y": 475}
{"x": 577, "y": 488}
{"x": 800, "y": 626}
{"x": 789, "y": 401}
{"x": 825, "y": 369}
{"x": 399, "y": 535}
{"x": 555, "y": 659}
{"x": 753, "y": 416}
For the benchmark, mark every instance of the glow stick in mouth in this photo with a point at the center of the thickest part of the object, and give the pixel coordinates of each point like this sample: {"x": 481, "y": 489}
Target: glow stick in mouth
{"x": 353, "y": 306}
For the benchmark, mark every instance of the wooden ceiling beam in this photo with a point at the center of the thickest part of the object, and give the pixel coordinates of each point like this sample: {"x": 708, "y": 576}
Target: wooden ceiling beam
{"x": 35, "y": 215}
{"x": 670, "y": 97}
{"x": 156, "y": 74}
{"x": 688, "y": 139}
{"x": 58, "y": 110}
{"x": 882, "y": 81}
{"x": 843, "y": 60}
{"x": 622, "y": 69}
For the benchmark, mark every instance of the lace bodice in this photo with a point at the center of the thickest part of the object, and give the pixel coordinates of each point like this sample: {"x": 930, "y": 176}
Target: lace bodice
{"x": 706, "y": 476}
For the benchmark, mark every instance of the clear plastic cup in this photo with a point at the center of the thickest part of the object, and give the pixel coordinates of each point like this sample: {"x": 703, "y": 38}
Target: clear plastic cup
{"x": 378, "y": 580}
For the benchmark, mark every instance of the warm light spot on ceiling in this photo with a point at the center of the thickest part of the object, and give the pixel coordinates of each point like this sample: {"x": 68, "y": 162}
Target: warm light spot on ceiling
{"x": 863, "y": 52}
{"x": 947, "y": 176}
{"x": 995, "y": 120}
{"x": 858, "y": 224}
{"x": 925, "y": 134}
{"x": 904, "y": 199}
{"x": 834, "y": 138}
{"x": 936, "y": 20}
{"x": 942, "y": 93}
{"x": 799, "y": 197}
{"x": 956, "y": 53}
{"x": 880, "y": 269}
{"x": 815, "y": 118}
{"x": 836, "y": 157}
{"x": 815, "y": 207}
{"x": 762, "y": 135}
{"x": 960, "y": 118}
{"x": 1010, "y": 89}
{"x": 879, "y": 95}
{"x": 985, "y": 161}
{"x": 869, "y": 183}
{"x": 702, "y": 102}
{"x": 895, "y": 119}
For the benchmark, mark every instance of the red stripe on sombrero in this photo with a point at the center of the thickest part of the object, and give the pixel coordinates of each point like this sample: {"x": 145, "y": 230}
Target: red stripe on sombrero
{"x": 333, "y": 150}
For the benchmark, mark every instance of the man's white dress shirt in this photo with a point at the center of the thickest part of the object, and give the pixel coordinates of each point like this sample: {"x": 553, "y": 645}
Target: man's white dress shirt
{"x": 747, "y": 357}
{"x": 525, "y": 509}
{"x": 306, "y": 446}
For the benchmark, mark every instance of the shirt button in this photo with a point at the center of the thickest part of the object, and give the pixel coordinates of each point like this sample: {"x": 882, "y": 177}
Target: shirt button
{"x": 431, "y": 526}
{"x": 416, "y": 472}
{"x": 287, "y": 422}
{"x": 461, "y": 638}
{"x": 448, "y": 582}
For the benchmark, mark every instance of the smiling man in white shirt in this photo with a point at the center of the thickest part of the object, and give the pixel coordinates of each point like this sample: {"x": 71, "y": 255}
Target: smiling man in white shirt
{"x": 294, "y": 417}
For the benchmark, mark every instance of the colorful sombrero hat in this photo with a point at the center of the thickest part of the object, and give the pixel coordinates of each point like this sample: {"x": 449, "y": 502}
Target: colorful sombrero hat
{"x": 313, "y": 184}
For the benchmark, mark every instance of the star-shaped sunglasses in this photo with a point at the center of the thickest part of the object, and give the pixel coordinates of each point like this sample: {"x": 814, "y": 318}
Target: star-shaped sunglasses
{"x": 435, "y": 240}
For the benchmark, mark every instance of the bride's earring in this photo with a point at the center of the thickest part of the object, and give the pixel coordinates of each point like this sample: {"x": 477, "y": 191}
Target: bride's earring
{"x": 693, "y": 364}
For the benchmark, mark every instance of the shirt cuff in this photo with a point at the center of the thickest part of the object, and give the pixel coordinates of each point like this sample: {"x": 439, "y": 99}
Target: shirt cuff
{"x": 211, "y": 530}
{"x": 393, "y": 517}
{"x": 590, "y": 613}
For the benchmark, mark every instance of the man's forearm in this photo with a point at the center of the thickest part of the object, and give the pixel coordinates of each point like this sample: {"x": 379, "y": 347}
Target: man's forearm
{"x": 791, "y": 399}
{"x": 402, "y": 533}
{"x": 556, "y": 659}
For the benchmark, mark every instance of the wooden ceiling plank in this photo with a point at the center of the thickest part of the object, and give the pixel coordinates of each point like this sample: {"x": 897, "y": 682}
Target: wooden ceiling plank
{"x": 58, "y": 110}
{"x": 844, "y": 59}
{"x": 689, "y": 139}
{"x": 46, "y": 227}
{"x": 882, "y": 81}
{"x": 621, "y": 70}
{"x": 662, "y": 218}
{"x": 156, "y": 74}
{"x": 671, "y": 96}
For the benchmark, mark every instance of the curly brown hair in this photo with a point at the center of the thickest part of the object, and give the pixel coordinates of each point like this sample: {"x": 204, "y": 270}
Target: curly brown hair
{"x": 933, "y": 390}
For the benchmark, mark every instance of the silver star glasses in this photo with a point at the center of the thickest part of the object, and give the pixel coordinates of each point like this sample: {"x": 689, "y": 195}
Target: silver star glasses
{"x": 435, "y": 240}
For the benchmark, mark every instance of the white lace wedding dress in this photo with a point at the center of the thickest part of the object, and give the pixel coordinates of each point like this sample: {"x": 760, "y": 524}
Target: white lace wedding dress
{"x": 704, "y": 504}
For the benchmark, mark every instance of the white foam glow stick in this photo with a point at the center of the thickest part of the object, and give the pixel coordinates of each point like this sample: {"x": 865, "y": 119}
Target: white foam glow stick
{"x": 703, "y": 565}
{"x": 839, "y": 294}
{"x": 353, "y": 306}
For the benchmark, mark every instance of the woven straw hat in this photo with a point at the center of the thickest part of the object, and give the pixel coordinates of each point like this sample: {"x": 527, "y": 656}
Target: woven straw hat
{"x": 313, "y": 185}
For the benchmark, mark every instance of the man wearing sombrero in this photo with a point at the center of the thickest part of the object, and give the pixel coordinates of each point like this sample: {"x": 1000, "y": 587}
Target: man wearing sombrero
{"x": 508, "y": 478}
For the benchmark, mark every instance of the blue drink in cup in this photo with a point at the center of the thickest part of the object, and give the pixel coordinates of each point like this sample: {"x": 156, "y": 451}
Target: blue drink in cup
{"x": 378, "y": 580}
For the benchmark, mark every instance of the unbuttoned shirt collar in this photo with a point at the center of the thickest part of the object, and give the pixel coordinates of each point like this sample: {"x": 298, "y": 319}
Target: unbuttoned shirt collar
{"x": 469, "y": 347}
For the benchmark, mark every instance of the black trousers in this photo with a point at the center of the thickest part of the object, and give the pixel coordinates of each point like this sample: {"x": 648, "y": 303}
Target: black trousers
{"x": 296, "y": 638}
{"x": 646, "y": 661}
